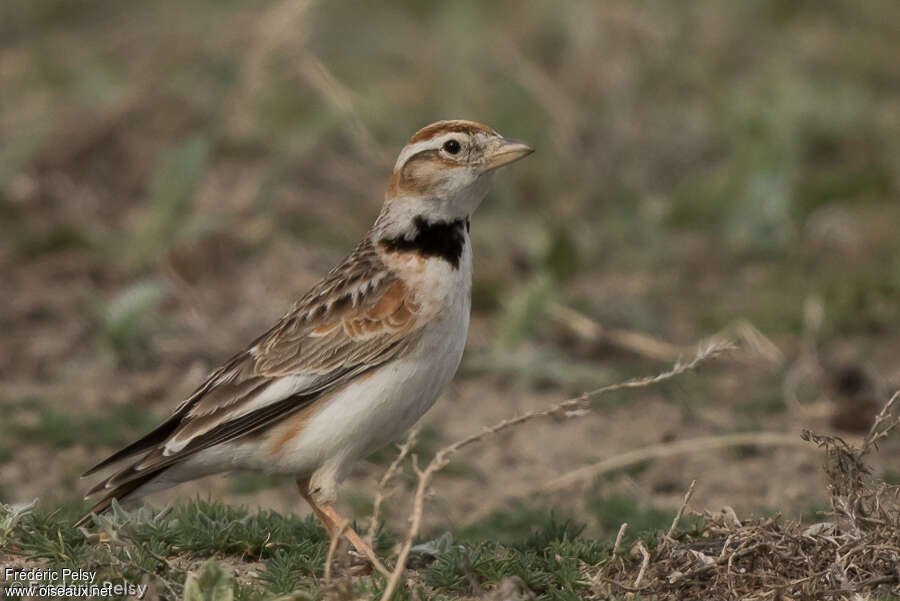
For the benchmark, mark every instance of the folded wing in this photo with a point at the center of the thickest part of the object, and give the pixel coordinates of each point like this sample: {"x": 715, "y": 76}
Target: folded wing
{"x": 358, "y": 317}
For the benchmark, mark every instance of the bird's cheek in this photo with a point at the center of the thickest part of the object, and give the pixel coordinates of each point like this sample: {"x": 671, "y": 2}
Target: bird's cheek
{"x": 418, "y": 177}
{"x": 458, "y": 179}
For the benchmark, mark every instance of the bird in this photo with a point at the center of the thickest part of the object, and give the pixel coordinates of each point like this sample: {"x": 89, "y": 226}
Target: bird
{"x": 356, "y": 361}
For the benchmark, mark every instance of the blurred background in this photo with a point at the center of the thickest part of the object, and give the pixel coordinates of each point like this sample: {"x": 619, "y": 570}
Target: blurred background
{"x": 173, "y": 175}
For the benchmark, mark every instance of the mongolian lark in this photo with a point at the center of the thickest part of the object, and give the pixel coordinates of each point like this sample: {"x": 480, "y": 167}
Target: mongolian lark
{"x": 358, "y": 359}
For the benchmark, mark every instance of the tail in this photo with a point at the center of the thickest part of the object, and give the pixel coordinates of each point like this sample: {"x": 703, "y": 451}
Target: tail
{"x": 118, "y": 493}
{"x": 126, "y": 488}
{"x": 151, "y": 440}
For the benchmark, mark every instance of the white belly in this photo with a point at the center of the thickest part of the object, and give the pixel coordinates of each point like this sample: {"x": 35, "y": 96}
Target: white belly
{"x": 377, "y": 409}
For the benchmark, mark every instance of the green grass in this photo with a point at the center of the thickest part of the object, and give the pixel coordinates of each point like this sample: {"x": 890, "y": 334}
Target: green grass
{"x": 288, "y": 553}
{"x": 176, "y": 178}
{"x": 129, "y": 320}
{"x": 138, "y": 541}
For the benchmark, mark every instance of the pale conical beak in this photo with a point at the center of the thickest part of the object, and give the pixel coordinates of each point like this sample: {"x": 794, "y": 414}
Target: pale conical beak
{"x": 506, "y": 152}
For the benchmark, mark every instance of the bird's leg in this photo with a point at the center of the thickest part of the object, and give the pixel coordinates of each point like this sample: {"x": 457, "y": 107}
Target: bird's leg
{"x": 332, "y": 521}
{"x": 330, "y": 526}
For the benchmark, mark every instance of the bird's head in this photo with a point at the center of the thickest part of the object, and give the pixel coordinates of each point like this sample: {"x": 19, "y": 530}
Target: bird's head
{"x": 444, "y": 172}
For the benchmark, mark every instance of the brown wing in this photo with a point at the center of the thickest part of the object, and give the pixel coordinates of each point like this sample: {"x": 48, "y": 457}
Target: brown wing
{"x": 358, "y": 317}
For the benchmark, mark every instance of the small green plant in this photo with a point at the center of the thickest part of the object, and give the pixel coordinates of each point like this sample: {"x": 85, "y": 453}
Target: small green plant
{"x": 128, "y": 318}
{"x": 213, "y": 583}
{"x": 177, "y": 176}
{"x": 10, "y": 516}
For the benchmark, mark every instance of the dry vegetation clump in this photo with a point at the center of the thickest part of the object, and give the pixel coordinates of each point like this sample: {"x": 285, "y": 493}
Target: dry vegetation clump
{"x": 853, "y": 554}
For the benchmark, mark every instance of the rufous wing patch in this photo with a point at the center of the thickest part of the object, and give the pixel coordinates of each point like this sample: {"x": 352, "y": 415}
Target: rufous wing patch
{"x": 325, "y": 329}
{"x": 394, "y": 311}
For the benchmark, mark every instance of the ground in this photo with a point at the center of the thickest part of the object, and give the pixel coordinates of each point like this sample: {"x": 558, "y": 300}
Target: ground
{"x": 172, "y": 177}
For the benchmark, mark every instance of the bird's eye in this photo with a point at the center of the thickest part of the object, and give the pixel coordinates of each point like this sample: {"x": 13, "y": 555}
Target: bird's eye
{"x": 452, "y": 146}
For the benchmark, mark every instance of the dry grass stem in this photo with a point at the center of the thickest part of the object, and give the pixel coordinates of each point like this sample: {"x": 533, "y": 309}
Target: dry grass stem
{"x": 878, "y": 429}
{"x": 338, "y": 96}
{"x": 748, "y": 336}
{"x": 380, "y": 492}
{"x": 706, "y": 352}
{"x": 618, "y": 543}
{"x": 415, "y": 524}
{"x": 635, "y": 342}
{"x": 754, "y": 340}
{"x": 700, "y": 444}
{"x": 645, "y": 561}
{"x": 852, "y": 555}
{"x": 332, "y": 547}
{"x": 684, "y": 504}
{"x": 574, "y": 407}
{"x": 282, "y": 23}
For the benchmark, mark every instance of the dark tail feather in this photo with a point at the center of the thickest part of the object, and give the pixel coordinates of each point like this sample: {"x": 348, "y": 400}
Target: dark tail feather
{"x": 118, "y": 493}
{"x": 154, "y": 438}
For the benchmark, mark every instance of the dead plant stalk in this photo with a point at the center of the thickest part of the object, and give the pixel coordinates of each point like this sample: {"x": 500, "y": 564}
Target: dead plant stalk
{"x": 380, "y": 492}
{"x": 574, "y": 407}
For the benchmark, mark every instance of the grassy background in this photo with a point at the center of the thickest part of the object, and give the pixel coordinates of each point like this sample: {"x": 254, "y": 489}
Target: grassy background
{"x": 173, "y": 174}
{"x": 269, "y": 554}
